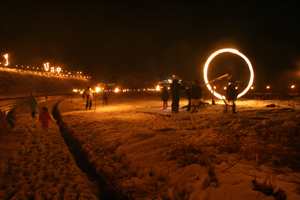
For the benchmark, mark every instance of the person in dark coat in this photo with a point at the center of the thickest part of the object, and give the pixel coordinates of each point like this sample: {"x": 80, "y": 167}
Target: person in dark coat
{"x": 195, "y": 96}
{"x": 165, "y": 97}
{"x": 231, "y": 95}
{"x": 104, "y": 98}
{"x": 175, "y": 91}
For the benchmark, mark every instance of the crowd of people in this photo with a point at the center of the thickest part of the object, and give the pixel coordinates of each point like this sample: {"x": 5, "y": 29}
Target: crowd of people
{"x": 193, "y": 94}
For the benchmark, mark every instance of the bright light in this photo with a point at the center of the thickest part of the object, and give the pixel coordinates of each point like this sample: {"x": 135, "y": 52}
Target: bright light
{"x": 234, "y": 51}
{"x": 157, "y": 88}
{"x": 225, "y": 88}
{"x": 6, "y": 60}
{"x": 52, "y": 69}
{"x": 293, "y": 86}
{"x": 117, "y": 90}
{"x": 252, "y": 88}
{"x": 268, "y": 87}
{"x": 46, "y": 66}
{"x": 75, "y": 90}
{"x": 58, "y": 69}
{"x": 97, "y": 89}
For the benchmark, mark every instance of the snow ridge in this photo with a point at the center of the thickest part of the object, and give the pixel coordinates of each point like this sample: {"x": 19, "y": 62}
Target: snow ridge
{"x": 75, "y": 147}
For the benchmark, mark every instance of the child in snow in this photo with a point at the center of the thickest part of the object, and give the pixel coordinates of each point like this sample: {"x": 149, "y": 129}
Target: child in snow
{"x": 44, "y": 118}
{"x": 165, "y": 97}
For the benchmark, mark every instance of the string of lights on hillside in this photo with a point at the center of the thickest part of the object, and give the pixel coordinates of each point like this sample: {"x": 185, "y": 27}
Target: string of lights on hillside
{"x": 46, "y": 70}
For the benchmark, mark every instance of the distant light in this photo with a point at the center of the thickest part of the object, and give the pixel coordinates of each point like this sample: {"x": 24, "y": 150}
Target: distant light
{"x": 97, "y": 89}
{"x": 75, "y": 90}
{"x": 252, "y": 88}
{"x": 117, "y": 90}
{"x": 293, "y": 86}
{"x": 236, "y": 88}
{"x": 225, "y": 88}
{"x": 268, "y": 87}
{"x": 46, "y": 66}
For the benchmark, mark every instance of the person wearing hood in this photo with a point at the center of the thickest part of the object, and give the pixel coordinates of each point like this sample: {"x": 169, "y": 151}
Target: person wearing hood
{"x": 33, "y": 104}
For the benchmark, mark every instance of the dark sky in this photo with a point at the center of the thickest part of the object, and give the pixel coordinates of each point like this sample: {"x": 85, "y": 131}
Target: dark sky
{"x": 110, "y": 38}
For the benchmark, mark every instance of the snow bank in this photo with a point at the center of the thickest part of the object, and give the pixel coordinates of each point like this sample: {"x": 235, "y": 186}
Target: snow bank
{"x": 18, "y": 85}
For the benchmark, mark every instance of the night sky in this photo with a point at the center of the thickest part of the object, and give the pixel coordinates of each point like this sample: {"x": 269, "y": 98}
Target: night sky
{"x": 107, "y": 39}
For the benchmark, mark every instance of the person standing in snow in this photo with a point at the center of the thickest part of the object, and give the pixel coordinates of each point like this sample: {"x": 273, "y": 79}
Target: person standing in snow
{"x": 188, "y": 95}
{"x": 44, "y": 118}
{"x": 165, "y": 97}
{"x": 104, "y": 98}
{"x": 33, "y": 104}
{"x": 89, "y": 98}
{"x": 175, "y": 91}
{"x": 195, "y": 96}
{"x": 231, "y": 94}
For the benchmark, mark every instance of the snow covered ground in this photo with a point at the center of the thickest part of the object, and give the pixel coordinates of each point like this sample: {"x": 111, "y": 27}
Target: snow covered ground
{"x": 144, "y": 152}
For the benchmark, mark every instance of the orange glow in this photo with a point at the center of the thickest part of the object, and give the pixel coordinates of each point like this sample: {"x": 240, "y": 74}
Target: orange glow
{"x": 157, "y": 88}
{"x": 58, "y": 69}
{"x": 6, "y": 59}
{"x": 234, "y": 51}
{"x": 293, "y": 86}
{"x": 46, "y": 66}
{"x": 268, "y": 87}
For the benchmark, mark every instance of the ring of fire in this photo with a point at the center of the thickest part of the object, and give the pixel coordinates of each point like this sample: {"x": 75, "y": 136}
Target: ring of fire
{"x": 234, "y": 51}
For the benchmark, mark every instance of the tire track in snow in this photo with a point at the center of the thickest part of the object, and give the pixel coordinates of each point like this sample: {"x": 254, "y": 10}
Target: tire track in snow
{"x": 75, "y": 147}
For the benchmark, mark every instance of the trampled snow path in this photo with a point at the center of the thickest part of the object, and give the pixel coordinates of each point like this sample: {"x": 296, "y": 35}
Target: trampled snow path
{"x": 144, "y": 153}
{"x": 37, "y": 164}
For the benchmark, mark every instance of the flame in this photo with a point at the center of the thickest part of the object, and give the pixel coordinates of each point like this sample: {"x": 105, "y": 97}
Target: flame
{"x": 6, "y": 59}
{"x": 157, "y": 88}
{"x": 97, "y": 89}
{"x": 234, "y": 51}
{"x": 58, "y": 69}
{"x": 46, "y": 66}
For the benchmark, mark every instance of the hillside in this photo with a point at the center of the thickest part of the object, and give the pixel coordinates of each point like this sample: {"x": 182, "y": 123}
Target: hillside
{"x": 19, "y": 85}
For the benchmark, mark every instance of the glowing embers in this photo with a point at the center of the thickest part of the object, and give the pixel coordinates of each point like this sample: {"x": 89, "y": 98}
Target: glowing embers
{"x": 234, "y": 51}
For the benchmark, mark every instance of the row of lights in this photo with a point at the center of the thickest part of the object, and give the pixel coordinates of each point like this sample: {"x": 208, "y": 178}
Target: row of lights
{"x": 44, "y": 73}
{"x": 46, "y": 68}
{"x": 116, "y": 90}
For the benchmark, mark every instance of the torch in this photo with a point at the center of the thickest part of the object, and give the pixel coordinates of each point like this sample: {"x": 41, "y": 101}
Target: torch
{"x": 97, "y": 90}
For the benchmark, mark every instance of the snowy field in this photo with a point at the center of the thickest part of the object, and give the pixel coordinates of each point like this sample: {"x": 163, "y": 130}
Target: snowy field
{"x": 144, "y": 152}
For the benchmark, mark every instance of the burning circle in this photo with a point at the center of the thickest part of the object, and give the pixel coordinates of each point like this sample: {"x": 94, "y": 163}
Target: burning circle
{"x": 234, "y": 51}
